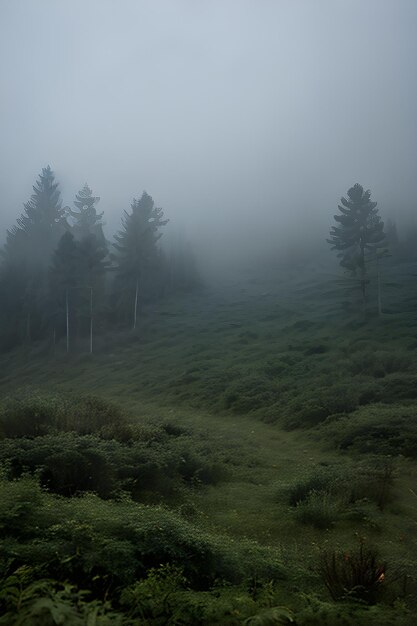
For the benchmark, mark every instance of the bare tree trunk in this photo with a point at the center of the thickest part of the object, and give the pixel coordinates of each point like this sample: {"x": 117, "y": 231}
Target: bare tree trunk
{"x": 28, "y": 327}
{"x": 67, "y": 313}
{"x": 91, "y": 320}
{"x": 363, "y": 279}
{"x": 135, "y": 315}
{"x": 378, "y": 283}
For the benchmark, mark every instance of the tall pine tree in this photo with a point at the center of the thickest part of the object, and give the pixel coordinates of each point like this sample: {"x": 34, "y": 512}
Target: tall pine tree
{"x": 42, "y": 223}
{"x": 359, "y": 234}
{"x": 28, "y": 251}
{"x": 136, "y": 248}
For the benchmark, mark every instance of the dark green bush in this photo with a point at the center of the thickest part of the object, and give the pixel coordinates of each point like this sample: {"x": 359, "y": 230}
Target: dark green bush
{"x": 30, "y": 602}
{"x": 69, "y": 464}
{"x": 379, "y": 363}
{"x": 87, "y": 539}
{"x": 250, "y": 393}
{"x": 377, "y": 429}
{"x": 313, "y": 406}
{"x": 33, "y": 414}
{"x": 354, "y": 573}
{"x": 318, "y": 509}
{"x": 20, "y": 502}
{"x": 312, "y": 611}
{"x": 164, "y": 597}
{"x": 326, "y": 487}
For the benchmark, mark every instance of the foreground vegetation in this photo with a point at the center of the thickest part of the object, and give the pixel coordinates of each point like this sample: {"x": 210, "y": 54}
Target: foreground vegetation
{"x": 246, "y": 457}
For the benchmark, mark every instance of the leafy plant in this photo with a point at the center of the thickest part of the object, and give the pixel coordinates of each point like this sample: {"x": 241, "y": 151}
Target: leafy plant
{"x": 353, "y": 573}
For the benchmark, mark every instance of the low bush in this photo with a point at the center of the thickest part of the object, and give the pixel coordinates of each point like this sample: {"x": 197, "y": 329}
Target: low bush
{"x": 103, "y": 543}
{"x": 312, "y": 611}
{"x": 379, "y": 363}
{"x": 69, "y": 464}
{"x": 377, "y": 429}
{"x": 314, "y": 406}
{"x": 357, "y": 573}
{"x": 33, "y": 414}
{"x": 250, "y": 393}
{"x": 327, "y": 487}
{"x": 28, "y": 602}
{"x": 320, "y": 510}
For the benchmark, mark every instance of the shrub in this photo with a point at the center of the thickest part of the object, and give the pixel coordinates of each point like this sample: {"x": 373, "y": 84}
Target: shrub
{"x": 69, "y": 464}
{"x": 316, "y": 612}
{"x": 164, "y": 597}
{"x": 379, "y": 363}
{"x": 48, "y": 603}
{"x": 250, "y": 393}
{"x": 371, "y": 479}
{"x": 30, "y": 415}
{"x": 34, "y": 414}
{"x": 319, "y": 509}
{"x": 378, "y": 429}
{"x": 356, "y": 574}
{"x": 19, "y": 504}
{"x": 99, "y": 543}
{"x": 316, "y": 405}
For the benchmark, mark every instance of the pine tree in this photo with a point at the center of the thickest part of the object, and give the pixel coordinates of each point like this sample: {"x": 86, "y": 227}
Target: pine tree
{"x": 87, "y": 220}
{"x": 359, "y": 234}
{"x": 41, "y": 225}
{"x": 28, "y": 251}
{"x": 136, "y": 247}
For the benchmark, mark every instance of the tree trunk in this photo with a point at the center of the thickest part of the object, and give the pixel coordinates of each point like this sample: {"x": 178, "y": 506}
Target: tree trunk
{"x": 363, "y": 278}
{"x": 135, "y": 314}
{"x": 67, "y": 316}
{"x": 28, "y": 336}
{"x": 378, "y": 286}
{"x": 91, "y": 320}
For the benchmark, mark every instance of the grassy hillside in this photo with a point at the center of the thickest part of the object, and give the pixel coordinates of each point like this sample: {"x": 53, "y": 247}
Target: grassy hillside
{"x": 262, "y": 433}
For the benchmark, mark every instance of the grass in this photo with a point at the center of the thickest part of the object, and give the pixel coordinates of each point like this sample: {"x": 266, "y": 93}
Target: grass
{"x": 281, "y": 385}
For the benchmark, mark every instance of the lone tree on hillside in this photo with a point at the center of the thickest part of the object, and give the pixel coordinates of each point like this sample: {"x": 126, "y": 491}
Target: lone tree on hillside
{"x": 136, "y": 246}
{"x": 359, "y": 236}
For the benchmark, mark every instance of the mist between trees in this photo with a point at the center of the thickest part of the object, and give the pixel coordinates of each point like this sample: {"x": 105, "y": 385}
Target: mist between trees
{"x": 62, "y": 280}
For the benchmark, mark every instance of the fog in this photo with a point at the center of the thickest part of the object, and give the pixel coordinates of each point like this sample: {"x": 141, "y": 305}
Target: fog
{"x": 245, "y": 120}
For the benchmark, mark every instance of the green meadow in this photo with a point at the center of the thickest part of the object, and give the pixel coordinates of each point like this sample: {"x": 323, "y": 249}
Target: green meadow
{"x": 246, "y": 456}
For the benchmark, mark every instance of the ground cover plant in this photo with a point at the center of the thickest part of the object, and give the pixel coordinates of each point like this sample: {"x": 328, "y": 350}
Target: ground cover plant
{"x": 214, "y": 468}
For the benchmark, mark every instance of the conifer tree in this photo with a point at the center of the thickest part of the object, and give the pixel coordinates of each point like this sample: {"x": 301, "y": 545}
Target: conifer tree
{"x": 359, "y": 234}
{"x": 87, "y": 220}
{"x": 136, "y": 247}
{"x": 28, "y": 251}
{"x": 41, "y": 225}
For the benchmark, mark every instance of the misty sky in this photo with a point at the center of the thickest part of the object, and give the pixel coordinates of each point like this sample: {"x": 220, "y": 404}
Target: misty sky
{"x": 235, "y": 115}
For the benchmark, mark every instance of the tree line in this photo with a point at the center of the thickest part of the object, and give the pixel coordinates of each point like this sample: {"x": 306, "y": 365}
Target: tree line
{"x": 60, "y": 276}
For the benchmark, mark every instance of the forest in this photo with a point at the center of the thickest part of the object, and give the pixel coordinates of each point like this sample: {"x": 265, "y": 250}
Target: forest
{"x": 61, "y": 277}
